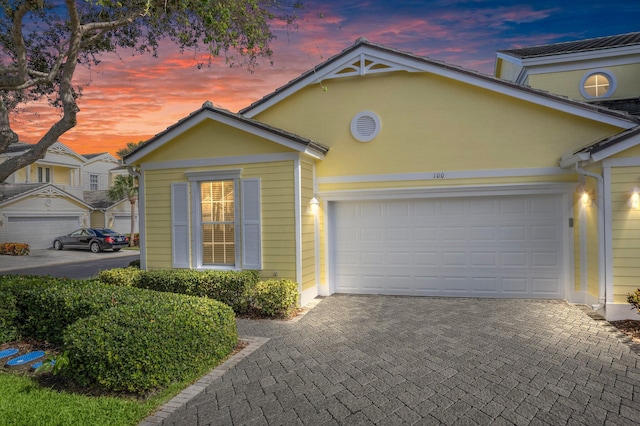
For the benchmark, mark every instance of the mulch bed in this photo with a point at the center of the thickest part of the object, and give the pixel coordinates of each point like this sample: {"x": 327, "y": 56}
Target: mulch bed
{"x": 629, "y": 327}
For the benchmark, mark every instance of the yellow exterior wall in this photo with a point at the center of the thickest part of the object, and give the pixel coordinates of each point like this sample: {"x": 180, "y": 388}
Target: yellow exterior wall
{"x": 567, "y": 83}
{"x": 278, "y": 221}
{"x": 625, "y": 233}
{"x": 507, "y": 70}
{"x": 429, "y": 123}
{"x": 308, "y": 227}
{"x": 97, "y": 219}
{"x": 211, "y": 139}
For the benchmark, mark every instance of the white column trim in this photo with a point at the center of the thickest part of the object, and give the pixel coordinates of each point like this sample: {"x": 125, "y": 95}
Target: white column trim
{"x": 297, "y": 188}
{"x": 608, "y": 232}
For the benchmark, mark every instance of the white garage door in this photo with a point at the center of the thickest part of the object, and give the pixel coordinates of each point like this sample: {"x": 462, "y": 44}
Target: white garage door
{"x": 122, "y": 224}
{"x": 477, "y": 247}
{"x": 39, "y": 231}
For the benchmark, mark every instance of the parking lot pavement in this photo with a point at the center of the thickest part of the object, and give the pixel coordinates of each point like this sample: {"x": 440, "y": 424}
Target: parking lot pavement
{"x": 425, "y": 360}
{"x": 45, "y": 257}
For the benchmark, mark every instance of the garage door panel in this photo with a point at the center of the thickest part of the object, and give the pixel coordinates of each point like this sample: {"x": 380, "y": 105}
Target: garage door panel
{"x": 500, "y": 247}
{"x": 39, "y": 231}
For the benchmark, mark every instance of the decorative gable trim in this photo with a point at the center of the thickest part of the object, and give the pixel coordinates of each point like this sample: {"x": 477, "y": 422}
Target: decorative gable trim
{"x": 45, "y": 191}
{"x": 365, "y": 57}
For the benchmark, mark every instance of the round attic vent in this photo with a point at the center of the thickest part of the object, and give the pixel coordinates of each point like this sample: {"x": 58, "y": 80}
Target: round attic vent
{"x": 365, "y": 126}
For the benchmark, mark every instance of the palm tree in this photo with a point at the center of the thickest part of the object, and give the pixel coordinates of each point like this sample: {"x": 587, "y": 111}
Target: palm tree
{"x": 126, "y": 186}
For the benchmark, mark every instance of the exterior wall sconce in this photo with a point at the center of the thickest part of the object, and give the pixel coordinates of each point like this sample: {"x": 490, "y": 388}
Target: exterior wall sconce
{"x": 314, "y": 205}
{"x": 634, "y": 200}
{"x": 585, "y": 199}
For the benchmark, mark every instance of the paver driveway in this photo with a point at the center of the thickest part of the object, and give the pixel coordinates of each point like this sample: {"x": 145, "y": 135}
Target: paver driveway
{"x": 417, "y": 360}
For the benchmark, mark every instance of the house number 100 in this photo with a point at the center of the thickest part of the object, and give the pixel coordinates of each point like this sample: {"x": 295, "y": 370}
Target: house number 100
{"x": 439, "y": 175}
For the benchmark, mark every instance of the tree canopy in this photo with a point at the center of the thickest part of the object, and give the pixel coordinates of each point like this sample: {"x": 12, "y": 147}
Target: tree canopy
{"x": 42, "y": 42}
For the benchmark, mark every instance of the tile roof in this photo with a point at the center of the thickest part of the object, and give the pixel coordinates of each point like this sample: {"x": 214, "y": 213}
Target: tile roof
{"x": 621, "y": 40}
{"x": 631, "y": 106}
{"x": 98, "y": 199}
{"x": 610, "y": 141}
{"x": 18, "y": 147}
{"x": 12, "y": 190}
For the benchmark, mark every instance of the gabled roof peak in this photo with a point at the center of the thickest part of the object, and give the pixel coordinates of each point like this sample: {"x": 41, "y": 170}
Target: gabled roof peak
{"x": 362, "y": 40}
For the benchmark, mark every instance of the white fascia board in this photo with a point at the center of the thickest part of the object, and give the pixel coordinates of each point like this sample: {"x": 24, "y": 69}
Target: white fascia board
{"x": 582, "y": 65}
{"x": 617, "y": 148}
{"x": 317, "y": 77}
{"x": 208, "y": 115}
{"x": 582, "y": 56}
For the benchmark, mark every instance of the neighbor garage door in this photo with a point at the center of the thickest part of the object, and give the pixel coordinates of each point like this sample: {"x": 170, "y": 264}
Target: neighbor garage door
{"x": 478, "y": 247}
{"x": 39, "y": 231}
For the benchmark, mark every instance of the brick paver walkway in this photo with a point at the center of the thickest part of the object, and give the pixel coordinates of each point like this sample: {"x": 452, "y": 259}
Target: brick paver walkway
{"x": 417, "y": 360}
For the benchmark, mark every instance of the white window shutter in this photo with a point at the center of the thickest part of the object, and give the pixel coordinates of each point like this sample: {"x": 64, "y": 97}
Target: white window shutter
{"x": 251, "y": 226}
{"x": 180, "y": 224}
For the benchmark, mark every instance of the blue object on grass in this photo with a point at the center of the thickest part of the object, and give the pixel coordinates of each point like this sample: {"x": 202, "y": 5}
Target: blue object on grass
{"x": 8, "y": 352}
{"x": 26, "y": 358}
{"x": 39, "y": 364}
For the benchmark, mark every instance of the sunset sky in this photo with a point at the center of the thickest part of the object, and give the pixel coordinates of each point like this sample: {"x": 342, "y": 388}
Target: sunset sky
{"x": 131, "y": 98}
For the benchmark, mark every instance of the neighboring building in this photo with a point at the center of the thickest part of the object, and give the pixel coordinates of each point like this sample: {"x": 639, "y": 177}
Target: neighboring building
{"x": 58, "y": 194}
{"x": 383, "y": 172}
{"x": 602, "y": 70}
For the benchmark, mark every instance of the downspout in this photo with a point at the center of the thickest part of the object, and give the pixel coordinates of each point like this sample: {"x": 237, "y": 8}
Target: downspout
{"x": 141, "y": 225}
{"x": 602, "y": 290}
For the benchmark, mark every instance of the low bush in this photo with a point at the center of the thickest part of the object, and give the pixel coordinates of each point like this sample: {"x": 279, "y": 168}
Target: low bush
{"x": 8, "y": 315}
{"x": 141, "y": 347}
{"x": 634, "y": 299}
{"x": 127, "y": 277}
{"x": 231, "y": 287}
{"x": 46, "y": 311}
{"x": 275, "y": 297}
{"x": 134, "y": 264}
{"x": 14, "y": 249}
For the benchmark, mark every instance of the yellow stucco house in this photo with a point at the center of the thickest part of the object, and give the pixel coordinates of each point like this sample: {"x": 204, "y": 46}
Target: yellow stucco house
{"x": 383, "y": 172}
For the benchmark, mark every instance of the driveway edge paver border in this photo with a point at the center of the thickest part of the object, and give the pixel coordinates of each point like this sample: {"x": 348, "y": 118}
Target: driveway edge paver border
{"x": 181, "y": 400}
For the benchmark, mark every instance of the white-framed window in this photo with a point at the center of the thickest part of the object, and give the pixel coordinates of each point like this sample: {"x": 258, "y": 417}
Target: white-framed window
{"x": 93, "y": 182}
{"x": 225, "y": 227}
{"x": 44, "y": 174}
{"x": 597, "y": 84}
{"x": 218, "y": 222}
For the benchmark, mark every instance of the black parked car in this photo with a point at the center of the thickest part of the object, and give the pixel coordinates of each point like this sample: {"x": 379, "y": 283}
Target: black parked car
{"x": 94, "y": 239}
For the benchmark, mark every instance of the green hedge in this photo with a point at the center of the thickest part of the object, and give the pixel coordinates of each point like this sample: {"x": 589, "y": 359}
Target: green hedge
{"x": 239, "y": 289}
{"x": 230, "y": 287}
{"x": 45, "y": 312}
{"x": 275, "y": 297}
{"x": 8, "y": 315}
{"x": 138, "y": 348}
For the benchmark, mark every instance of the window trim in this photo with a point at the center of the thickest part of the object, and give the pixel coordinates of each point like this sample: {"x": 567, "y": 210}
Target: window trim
{"x": 97, "y": 182}
{"x": 196, "y": 215}
{"x": 613, "y": 83}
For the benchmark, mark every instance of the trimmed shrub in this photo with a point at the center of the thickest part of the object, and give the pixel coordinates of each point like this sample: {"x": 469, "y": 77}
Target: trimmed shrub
{"x": 230, "y": 287}
{"x": 127, "y": 277}
{"x": 138, "y": 348}
{"x": 8, "y": 315}
{"x": 134, "y": 264}
{"x": 275, "y": 297}
{"x": 634, "y": 299}
{"x": 46, "y": 311}
{"x": 14, "y": 249}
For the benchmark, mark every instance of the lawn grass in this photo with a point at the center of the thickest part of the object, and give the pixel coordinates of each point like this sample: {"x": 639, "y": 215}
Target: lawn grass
{"x": 25, "y": 402}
